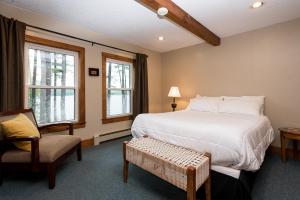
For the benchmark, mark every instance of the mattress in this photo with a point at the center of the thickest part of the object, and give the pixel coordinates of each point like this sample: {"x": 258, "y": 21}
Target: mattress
{"x": 235, "y": 141}
{"x": 235, "y": 173}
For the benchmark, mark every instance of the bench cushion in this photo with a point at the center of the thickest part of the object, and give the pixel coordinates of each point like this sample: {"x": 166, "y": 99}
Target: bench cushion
{"x": 51, "y": 147}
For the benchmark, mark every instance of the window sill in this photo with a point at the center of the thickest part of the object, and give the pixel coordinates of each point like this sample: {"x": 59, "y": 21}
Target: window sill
{"x": 116, "y": 119}
{"x": 59, "y": 127}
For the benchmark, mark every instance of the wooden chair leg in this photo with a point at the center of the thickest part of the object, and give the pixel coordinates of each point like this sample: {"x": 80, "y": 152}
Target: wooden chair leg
{"x": 208, "y": 189}
{"x": 51, "y": 169}
{"x": 79, "y": 153}
{"x": 191, "y": 183}
{"x": 125, "y": 163}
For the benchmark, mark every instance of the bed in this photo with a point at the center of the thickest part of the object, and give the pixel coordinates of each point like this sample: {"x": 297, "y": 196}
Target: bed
{"x": 237, "y": 142}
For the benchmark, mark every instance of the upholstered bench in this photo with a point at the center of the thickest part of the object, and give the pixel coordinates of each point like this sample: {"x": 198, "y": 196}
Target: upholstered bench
{"x": 184, "y": 168}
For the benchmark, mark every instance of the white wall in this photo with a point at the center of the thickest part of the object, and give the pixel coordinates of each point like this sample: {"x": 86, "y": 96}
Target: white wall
{"x": 93, "y": 58}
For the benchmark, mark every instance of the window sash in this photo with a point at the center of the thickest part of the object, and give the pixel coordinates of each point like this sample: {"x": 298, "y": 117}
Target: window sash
{"x": 55, "y": 111}
{"x": 119, "y": 89}
{"x": 28, "y": 86}
{"x": 122, "y": 114}
{"x": 51, "y": 87}
{"x": 119, "y": 62}
{"x": 29, "y": 45}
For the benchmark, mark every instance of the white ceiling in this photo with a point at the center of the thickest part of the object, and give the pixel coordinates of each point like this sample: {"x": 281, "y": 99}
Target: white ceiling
{"x": 130, "y": 22}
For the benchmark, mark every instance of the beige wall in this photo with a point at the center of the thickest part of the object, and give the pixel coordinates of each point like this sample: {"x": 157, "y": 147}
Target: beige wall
{"x": 262, "y": 62}
{"x": 93, "y": 59}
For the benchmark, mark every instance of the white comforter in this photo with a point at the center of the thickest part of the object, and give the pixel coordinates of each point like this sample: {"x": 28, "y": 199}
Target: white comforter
{"x": 234, "y": 140}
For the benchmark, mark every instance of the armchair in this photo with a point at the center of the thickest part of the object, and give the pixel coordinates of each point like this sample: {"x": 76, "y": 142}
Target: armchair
{"x": 46, "y": 152}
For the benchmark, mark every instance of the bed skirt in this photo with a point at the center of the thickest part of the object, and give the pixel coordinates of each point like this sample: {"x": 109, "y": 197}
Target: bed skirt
{"x": 225, "y": 187}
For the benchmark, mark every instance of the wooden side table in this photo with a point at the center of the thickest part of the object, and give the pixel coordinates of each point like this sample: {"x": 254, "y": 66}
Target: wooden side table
{"x": 289, "y": 134}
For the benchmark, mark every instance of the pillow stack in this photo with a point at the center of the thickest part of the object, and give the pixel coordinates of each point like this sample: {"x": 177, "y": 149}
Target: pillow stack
{"x": 249, "y": 105}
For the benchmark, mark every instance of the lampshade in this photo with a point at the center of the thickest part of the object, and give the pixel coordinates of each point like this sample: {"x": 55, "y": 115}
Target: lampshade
{"x": 174, "y": 92}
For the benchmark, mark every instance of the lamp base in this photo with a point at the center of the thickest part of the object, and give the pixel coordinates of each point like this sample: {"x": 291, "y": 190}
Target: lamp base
{"x": 174, "y": 105}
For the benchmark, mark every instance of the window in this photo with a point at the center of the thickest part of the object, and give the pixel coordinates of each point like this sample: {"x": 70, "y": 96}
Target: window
{"x": 54, "y": 82}
{"x": 117, "y": 88}
{"x": 51, "y": 83}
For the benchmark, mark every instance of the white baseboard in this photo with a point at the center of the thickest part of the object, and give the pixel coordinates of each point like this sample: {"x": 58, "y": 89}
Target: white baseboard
{"x": 110, "y": 136}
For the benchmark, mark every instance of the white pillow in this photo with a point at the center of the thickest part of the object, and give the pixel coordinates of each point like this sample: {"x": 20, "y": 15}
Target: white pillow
{"x": 230, "y": 97}
{"x": 258, "y": 99}
{"x": 240, "y": 106}
{"x": 206, "y": 97}
{"x": 204, "y": 105}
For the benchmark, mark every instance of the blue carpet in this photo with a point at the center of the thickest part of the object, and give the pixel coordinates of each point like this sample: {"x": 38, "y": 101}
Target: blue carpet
{"x": 99, "y": 176}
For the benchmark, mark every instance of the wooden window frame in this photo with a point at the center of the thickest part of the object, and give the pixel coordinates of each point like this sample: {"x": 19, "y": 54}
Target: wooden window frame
{"x": 81, "y": 74}
{"x": 106, "y": 56}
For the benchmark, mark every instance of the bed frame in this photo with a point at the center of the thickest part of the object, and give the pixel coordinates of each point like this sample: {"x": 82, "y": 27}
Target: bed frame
{"x": 225, "y": 187}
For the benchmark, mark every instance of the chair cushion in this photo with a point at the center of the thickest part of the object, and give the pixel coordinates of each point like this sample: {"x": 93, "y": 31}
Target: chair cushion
{"x": 20, "y": 126}
{"x": 51, "y": 148}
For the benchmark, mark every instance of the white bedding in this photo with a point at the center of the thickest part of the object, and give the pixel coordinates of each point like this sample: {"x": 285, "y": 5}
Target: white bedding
{"x": 237, "y": 141}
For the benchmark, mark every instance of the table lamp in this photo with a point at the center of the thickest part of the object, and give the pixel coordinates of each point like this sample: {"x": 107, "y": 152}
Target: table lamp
{"x": 174, "y": 92}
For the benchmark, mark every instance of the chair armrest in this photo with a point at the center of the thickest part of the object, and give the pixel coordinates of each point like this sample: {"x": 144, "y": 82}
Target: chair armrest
{"x": 67, "y": 124}
{"x": 35, "y": 155}
{"x": 20, "y": 139}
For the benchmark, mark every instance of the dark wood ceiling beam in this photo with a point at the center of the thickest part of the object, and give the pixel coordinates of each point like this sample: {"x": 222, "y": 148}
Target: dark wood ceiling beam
{"x": 183, "y": 19}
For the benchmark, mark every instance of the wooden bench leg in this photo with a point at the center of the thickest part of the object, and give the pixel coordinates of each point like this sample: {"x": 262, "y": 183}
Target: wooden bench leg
{"x": 208, "y": 189}
{"x": 191, "y": 183}
{"x": 79, "y": 153}
{"x": 51, "y": 169}
{"x": 125, "y": 164}
{"x": 1, "y": 175}
{"x": 208, "y": 181}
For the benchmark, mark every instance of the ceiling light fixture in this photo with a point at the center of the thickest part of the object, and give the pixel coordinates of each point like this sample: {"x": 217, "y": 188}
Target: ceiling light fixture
{"x": 162, "y": 11}
{"x": 161, "y": 38}
{"x": 257, "y": 4}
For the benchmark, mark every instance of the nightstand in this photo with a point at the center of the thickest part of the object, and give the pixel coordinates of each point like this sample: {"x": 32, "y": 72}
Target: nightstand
{"x": 289, "y": 134}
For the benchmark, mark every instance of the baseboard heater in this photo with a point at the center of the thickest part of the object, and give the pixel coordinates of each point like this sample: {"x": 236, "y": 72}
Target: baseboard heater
{"x": 110, "y": 136}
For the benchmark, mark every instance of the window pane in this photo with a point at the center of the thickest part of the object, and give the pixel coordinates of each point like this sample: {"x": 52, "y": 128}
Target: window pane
{"x": 118, "y": 102}
{"x": 50, "y": 68}
{"x": 52, "y": 105}
{"x": 118, "y": 75}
